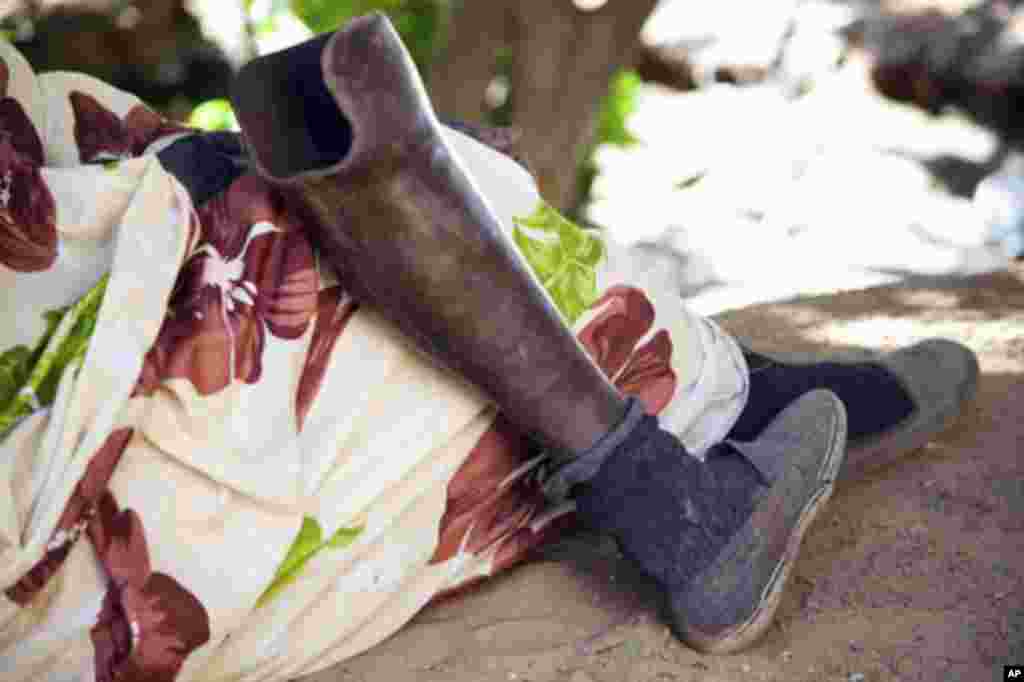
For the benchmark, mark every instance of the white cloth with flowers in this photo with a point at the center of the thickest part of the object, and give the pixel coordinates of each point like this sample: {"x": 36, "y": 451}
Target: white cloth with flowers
{"x": 214, "y": 465}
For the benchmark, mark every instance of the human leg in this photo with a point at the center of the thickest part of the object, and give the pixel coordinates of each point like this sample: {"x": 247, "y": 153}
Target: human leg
{"x": 397, "y": 215}
{"x": 896, "y": 402}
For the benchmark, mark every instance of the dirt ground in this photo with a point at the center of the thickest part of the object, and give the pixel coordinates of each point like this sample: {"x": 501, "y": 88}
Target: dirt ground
{"x": 913, "y": 573}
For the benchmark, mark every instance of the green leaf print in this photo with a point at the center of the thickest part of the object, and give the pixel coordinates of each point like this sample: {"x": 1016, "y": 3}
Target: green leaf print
{"x": 15, "y": 366}
{"x": 344, "y": 537}
{"x": 214, "y": 114}
{"x": 307, "y": 544}
{"x": 29, "y": 380}
{"x": 563, "y": 256}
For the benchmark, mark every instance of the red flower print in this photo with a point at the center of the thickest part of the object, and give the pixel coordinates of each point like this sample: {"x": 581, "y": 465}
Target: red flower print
{"x": 491, "y": 493}
{"x": 334, "y": 309}
{"x": 649, "y": 375}
{"x": 102, "y": 136}
{"x": 545, "y": 526}
{"x": 625, "y": 317}
{"x": 28, "y": 214}
{"x": 16, "y": 124}
{"x": 496, "y": 504}
{"x": 77, "y": 513}
{"x": 148, "y": 623}
{"x": 496, "y": 497}
{"x": 252, "y": 272}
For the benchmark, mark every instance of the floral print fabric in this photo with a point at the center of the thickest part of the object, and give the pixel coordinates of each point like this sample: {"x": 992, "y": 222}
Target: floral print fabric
{"x": 251, "y": 275}
{"x": 28, "y": 235}
{"x": 235, "y": 471}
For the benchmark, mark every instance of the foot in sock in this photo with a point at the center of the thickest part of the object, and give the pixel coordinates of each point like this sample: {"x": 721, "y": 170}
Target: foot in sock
{"x": 719, "y": 536}
{"x": 388, "y": 200}
{"x": 895, "y": 402}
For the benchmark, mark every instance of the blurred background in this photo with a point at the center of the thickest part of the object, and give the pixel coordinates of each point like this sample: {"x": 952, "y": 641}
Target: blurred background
{"x": 749, "y": 151}
{"x": 796, "y": 153}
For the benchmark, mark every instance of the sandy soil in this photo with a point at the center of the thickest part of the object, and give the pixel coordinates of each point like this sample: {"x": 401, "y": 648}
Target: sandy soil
{"x": 913, "y": 573}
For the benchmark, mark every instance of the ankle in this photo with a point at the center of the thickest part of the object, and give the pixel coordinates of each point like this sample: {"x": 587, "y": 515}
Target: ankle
{"x": 874, "y": 398}
{"x": 671, "y": 513}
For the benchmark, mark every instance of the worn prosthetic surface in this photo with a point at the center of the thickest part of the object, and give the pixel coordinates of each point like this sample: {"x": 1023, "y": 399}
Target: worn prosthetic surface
{"x": 343, "y": 123}
{"x": 219, "y": 463}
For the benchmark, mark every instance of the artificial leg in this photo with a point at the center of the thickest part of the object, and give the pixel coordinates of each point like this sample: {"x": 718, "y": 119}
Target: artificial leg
{"x": 343, "y": 125}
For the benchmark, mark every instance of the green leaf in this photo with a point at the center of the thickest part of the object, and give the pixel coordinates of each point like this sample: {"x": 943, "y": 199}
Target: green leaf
{"x": 62, "y": 346}
{"x": 418, "y": 22}
{"x": 307, "y": 544}
{"x": 15, "y": 365}
{"x": 563, "y": 256}
{"x": 214, "y": 114}
{"x": 691, "y": 181}
{"x": 344, "y": 537}
{"x": 69, "y": 348}
{"x": 616, "y": 108}
{"x": 328, "y": 15}
{"x": 304, "y": 546}
{"x": 618, "y": 104}
{"x": 53, "y": 318}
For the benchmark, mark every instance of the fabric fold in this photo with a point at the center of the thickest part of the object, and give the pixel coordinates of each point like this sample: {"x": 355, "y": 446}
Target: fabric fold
{"x": 216, "y": 464}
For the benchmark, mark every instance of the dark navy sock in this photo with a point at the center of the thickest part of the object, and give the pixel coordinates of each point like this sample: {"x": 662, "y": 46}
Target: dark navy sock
{"x": 670, "y": 513}
{"x": 205, "y": 163}
{"x": 874, "y": 399}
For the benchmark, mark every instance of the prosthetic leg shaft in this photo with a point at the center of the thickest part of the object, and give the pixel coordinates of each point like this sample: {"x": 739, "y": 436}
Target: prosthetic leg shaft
{"x": 344, "y": 124}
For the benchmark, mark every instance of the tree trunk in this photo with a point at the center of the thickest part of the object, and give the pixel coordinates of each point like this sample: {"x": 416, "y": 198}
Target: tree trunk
{"x": 477, "y": 31}
{"x": 563, "y": 59}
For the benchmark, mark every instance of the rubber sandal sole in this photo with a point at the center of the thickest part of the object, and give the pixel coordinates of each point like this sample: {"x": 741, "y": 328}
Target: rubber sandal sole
{"x": 912, "y": 434}
{"x": 745, "y": 634}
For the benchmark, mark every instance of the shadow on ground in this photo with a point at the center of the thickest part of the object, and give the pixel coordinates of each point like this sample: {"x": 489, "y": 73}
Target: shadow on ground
{"x": 915, "y": 572}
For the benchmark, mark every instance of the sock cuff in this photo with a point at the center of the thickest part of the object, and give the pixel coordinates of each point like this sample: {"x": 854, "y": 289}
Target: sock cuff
{"x": 585, "y": 466}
